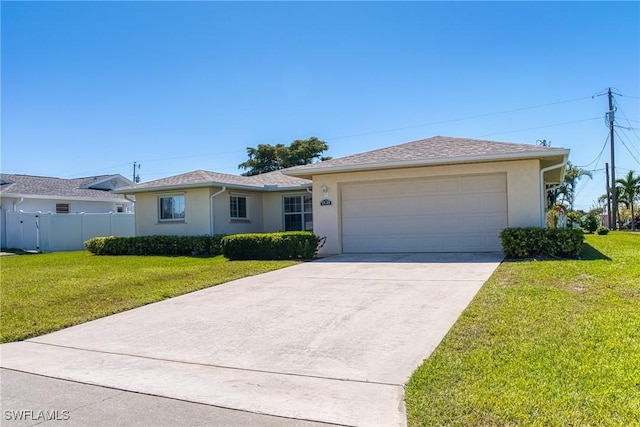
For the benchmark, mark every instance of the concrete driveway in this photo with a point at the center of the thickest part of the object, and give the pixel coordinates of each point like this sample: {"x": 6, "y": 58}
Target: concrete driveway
{"x": 332, "y": 340}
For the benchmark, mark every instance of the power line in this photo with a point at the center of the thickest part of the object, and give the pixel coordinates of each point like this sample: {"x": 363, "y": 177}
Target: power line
{"x": 628, "y": 121}
{"x": 193, "y": 155}
{"x": 538, "y": 127}
{"x": 625, "y": 146}
{"x": 459, "y": 119}
{"x": 598, "y": 157}
{"x": 92, "y": 171}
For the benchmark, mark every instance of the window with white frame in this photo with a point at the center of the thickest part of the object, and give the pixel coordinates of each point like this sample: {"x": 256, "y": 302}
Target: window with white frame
{"x": 238, "y": 208}
{"x": 171, "y": 208}
{"x": 298, "y": 213}
{"x": 62, "y": 207}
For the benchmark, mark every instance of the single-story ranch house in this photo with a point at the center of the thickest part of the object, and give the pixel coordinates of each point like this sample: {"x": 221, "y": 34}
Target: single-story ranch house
{"x": 92, "y": 194}
{"x": 439, "y": 194}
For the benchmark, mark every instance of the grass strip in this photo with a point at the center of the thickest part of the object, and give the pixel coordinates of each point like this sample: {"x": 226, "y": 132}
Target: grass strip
{"x": 47, "y": 292}
{"x": 544, "y": 343}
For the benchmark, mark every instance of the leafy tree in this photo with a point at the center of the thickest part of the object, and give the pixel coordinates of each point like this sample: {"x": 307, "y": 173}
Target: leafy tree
{"x": 573, "y": 218}
{"x": 590, "y": 223}
{"x": 268, "y": 158}
{"x": 628, "y": 191}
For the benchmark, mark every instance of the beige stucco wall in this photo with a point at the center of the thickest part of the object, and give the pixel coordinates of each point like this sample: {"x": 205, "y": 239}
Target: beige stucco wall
{"x": 272, "y": 207}
{"x": 197, "y": 214}
{"x": 523, "y": 193}
{"x": 265, "y": 213}
{"x": 222, "y": 220}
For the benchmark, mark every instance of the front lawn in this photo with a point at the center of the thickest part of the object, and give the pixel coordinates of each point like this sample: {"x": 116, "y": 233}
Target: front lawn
{"x": 544, "y": 343}
{"x": 46, "y": 292}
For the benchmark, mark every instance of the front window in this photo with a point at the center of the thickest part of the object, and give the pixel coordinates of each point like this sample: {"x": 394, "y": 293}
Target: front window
{"x": 298, "y": 213}
{"x": 172, "y": 208}
{"x": 238, "y": 208}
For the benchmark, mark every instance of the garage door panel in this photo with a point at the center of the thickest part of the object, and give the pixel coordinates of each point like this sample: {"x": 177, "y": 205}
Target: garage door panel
{"x": 483, "y": 203}
{"x": 396, "y": 206}
{"x": 451, "y": 214}
{"x": 381, "y": 191}
{"x": 432, "y": 243}
{"x": 411, "y": 225}
{"x": 484, "y": 184}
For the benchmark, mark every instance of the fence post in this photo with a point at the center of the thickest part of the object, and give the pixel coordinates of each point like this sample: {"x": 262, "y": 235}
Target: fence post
{"x": 21, "y": 231}
{"x": 82, "y": 226}
{"x": 38, "y": 233}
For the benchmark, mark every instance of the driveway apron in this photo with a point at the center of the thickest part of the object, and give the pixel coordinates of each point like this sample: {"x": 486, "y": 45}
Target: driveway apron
{"x": 332, "y": 340}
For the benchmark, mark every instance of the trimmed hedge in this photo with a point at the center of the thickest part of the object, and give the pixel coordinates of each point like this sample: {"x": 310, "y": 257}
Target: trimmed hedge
{"x": 602, "y": 231}
{"x": 270, "y": 246}
{"x": 155, "y": 245}
{"x": 534, "y": 241}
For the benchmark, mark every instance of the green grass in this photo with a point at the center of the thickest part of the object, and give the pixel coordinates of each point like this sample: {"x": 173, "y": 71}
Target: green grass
{"x": 544, "y": 343}
{"x": 46, "y": 292}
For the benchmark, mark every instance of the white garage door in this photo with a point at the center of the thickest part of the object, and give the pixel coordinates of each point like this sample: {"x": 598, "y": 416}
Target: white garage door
{"x": 442, "y": 214}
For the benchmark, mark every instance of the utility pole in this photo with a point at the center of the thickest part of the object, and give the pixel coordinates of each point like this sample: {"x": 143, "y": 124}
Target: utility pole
{"x": 136, "y": 178}
{"x": 606, "y": 170}
{"x": 614, "y": 196}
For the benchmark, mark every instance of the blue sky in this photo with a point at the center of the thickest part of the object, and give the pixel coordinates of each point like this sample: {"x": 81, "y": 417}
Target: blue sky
{"x": 90, "y": 87}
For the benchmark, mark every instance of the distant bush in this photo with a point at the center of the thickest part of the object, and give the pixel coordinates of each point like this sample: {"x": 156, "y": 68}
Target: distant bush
{"x": 270, "y": 246}
{"x": 590, "y": 223}
{"x": 535, "y": 241}
{"x": 602, "y": 231}
{"x": 155, "y": 245}
{"x": 573, "y": 218}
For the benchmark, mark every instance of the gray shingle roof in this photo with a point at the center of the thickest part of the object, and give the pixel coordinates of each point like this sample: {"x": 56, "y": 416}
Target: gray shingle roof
{"x": 43, "y": 186}
{"x": 200, "y": 178}
{"x": 438, "y": 149}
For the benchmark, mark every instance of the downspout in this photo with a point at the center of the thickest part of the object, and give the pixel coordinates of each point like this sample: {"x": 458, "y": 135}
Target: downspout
{"x": 224, "y": 188}
{"x": 133, "y": 201}
{"x": 543, "y": 193}
{"x": 15, "y": 204}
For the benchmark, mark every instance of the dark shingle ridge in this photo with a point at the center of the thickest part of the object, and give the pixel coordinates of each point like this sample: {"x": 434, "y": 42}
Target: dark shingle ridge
{"x": 430, "y": 149}
{"x": 197, "y": 177}
{"x": 437, "y": 147}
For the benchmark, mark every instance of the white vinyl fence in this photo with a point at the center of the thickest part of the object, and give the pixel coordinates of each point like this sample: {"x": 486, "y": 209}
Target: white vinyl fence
{"x": 50, "y": 232}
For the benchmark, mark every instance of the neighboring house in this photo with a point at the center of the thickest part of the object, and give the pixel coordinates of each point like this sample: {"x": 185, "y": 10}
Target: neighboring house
{"x": 30, "y": 193}
{"x": 438, "y": 194}
{"x": 23, "y": 198}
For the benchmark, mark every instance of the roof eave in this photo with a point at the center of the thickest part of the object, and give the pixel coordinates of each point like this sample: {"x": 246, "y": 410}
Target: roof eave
{"x": 178, "y": 187}
{"x": 55, "y": 197}
{"x": 308, "y": 172}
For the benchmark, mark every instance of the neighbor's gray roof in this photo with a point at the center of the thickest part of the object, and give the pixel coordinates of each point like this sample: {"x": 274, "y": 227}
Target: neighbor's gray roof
{"x": 270, "y": 181}
{"x": 436, "y": 150}
{"x": 17, "y": 185}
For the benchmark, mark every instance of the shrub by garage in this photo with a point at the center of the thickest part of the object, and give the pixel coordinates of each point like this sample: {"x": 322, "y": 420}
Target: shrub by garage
{"x": 270, "y": 246}
{"x": 528, "y": 242}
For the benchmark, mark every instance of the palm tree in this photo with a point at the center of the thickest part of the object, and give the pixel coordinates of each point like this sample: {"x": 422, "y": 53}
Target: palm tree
{"x": 568, "y": 188}
{"x": 629, "y": 191}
